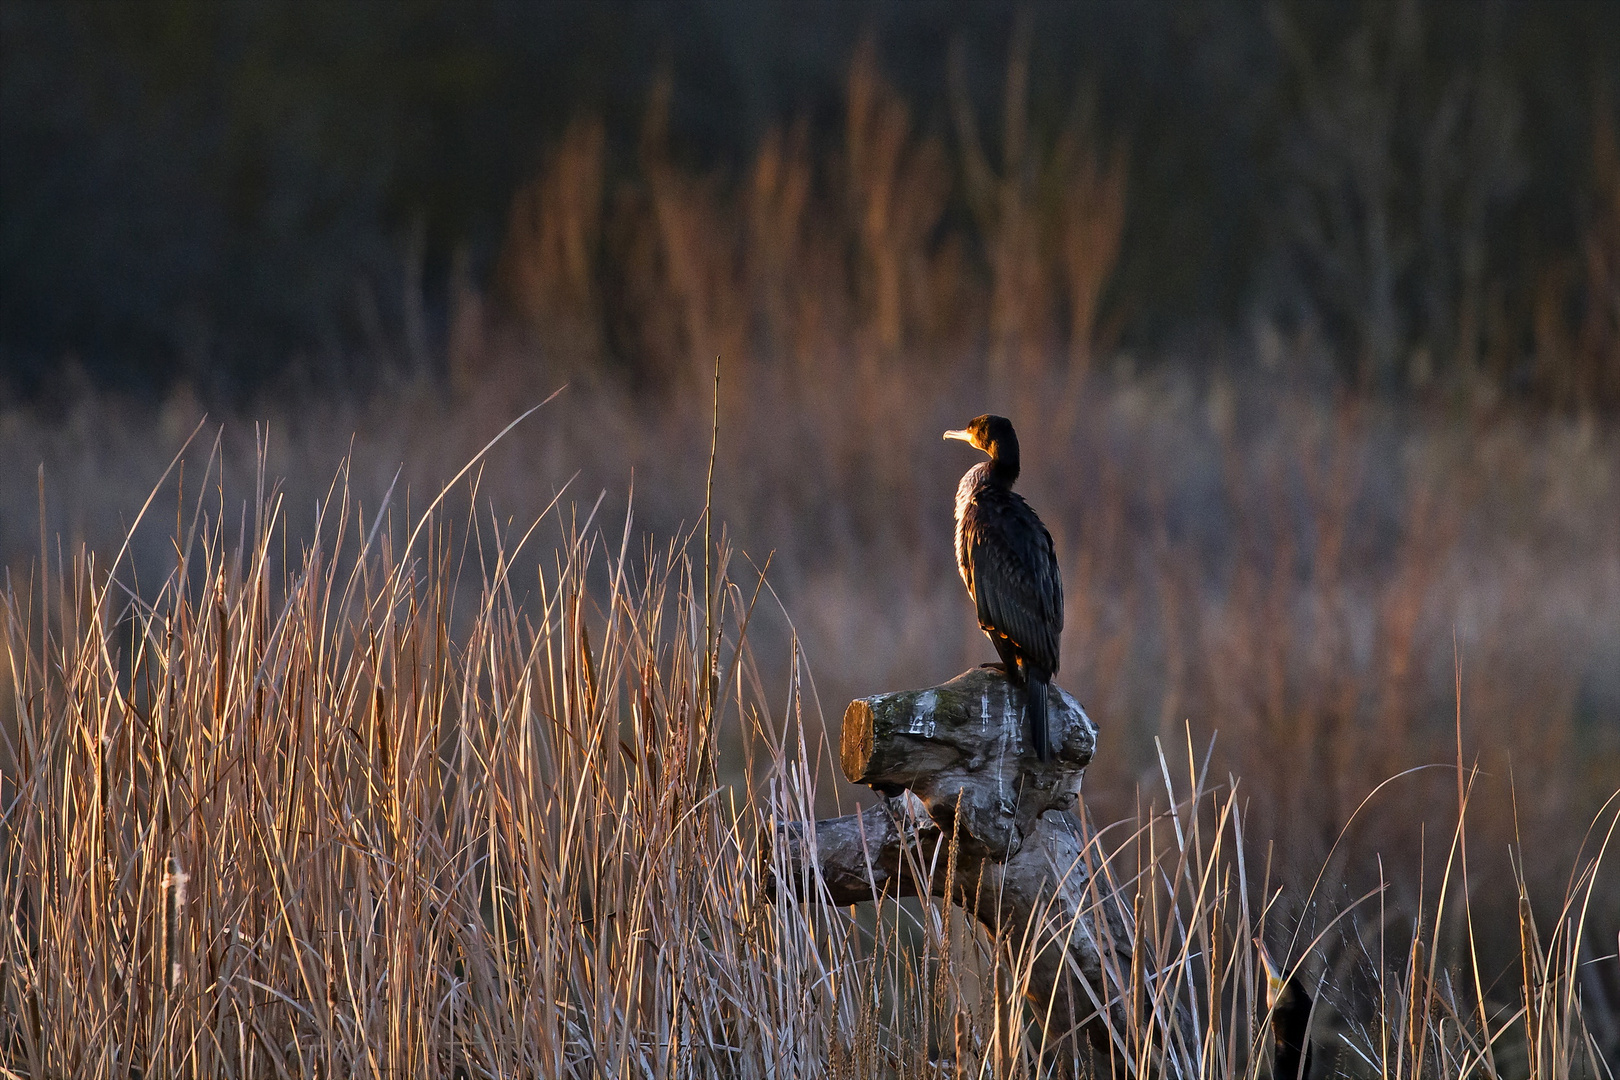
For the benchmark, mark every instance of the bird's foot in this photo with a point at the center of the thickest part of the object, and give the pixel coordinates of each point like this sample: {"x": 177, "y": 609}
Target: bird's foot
{"x": 1005, "y": 669}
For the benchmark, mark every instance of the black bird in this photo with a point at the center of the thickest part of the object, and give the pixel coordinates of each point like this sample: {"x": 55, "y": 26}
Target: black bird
{"x": 1007, "y": 561}
{"x": 1290, "y": 1005}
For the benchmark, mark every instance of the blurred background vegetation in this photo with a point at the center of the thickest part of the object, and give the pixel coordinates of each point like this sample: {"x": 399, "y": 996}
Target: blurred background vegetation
{"x": 1308, "y": 315}
{"x": 265, "y": 195}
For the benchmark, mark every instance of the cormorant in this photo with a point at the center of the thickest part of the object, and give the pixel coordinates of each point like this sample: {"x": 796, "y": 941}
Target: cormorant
{"x": 1007, "y": 561}
{"x": 1290, "y": 1005}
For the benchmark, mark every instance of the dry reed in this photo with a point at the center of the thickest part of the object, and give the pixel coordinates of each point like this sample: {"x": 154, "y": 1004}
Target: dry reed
{"x": 294, "y": 788}
{"x": 422, "y": 794}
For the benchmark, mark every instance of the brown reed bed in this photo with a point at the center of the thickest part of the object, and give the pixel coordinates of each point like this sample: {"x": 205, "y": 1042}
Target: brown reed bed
{"x": 1303, "y": 578}
{"x": 319, "y": 781}
{"x": 1301, "y": 569}
{"x": 927, "y": 231}
{"x": 441, "y": 792}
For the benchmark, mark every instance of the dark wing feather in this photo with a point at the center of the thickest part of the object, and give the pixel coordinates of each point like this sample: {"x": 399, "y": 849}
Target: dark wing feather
{"x": 1015, "y": 580}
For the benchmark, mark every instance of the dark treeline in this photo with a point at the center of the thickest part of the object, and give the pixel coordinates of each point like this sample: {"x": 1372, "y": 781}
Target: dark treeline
{"x": 226, "y": 193}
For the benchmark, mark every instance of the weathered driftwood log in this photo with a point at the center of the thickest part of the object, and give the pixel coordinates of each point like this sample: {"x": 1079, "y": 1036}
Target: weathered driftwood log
{"x": 962, "y": 751}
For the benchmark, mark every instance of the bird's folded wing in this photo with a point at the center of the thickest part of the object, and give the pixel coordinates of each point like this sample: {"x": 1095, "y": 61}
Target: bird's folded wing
{"x": 1021, "y": 601}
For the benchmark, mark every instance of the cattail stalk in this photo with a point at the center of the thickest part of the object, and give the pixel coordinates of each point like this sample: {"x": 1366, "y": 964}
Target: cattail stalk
{"x": 174, "y": 900}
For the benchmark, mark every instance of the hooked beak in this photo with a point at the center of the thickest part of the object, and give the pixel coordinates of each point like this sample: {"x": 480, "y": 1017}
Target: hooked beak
{"x": 960, "y": 435}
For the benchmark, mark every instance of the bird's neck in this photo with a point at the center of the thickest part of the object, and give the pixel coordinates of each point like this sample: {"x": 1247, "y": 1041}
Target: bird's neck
{"x": 1003, "y": 469}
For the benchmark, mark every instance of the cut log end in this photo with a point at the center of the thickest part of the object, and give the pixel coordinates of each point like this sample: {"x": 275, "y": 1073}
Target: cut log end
{"x": 855, "y": 742}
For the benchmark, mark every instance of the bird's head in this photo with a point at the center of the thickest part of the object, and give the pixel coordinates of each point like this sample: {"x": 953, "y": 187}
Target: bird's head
{"x": 992, "y": 434}
{"x": 1275, "y": 982}
{"x": 1291, "y": 1008}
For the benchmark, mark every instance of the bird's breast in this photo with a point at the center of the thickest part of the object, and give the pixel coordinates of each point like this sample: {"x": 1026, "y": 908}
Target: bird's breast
{"x": 967, "y": 493}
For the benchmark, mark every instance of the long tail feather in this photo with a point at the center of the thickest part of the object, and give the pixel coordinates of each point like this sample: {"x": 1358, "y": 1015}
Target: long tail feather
{"x": 1036, "y": 689}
